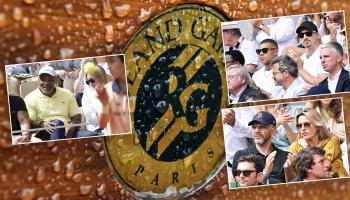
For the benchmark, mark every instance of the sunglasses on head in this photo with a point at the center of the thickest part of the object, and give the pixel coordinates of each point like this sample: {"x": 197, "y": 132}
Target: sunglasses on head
{"x": 264, "y": 50}
{"x": 306, "y": 125}
{"x": 246, "y": 173}
{"x": 89, "y": 81}
{"x": 308, "y": 34}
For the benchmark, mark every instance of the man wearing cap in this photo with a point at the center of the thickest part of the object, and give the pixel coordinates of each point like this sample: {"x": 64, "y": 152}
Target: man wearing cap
{"x": 233, "y": 39}
{"x": 309, "y": 64}
{"x": 264, "y": 127}
{"x": 338, "y": 79}
{"x": 50, "y": 106}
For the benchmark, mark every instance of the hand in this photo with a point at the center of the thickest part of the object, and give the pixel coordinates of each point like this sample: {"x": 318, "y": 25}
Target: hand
{"x": 296, "y": 58}
{"x": 256, "y": 24}
{"x": 102, "y": 94}
{"x": 48, "y": 125}
{"x": 290, "y": 160}
{"x": 229, "y": 117}
{"x": 283, "y": 117}
{"x": 269, "y": 162}
{"x": 23, "y": 139}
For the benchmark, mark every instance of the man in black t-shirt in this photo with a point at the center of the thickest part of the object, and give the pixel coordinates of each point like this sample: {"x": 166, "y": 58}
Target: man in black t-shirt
{"x": 19, "y": 118}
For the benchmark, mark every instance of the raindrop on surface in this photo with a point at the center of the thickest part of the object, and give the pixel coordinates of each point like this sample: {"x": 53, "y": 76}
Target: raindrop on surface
{"x": 54, "y": 150}
{"x": 156, "y": 90}
{"x": 77, "y": 177}
{"x": 295, "y": 5}
{"x": 162, "y": 106}
{"x": 69, "y": 9}
{"x": 2, "y": 20}
{"x": 324, "y": 6}
{"x": 109, "y": 34}
{"x": 106, "y": 9}
{"x": 69, "y": 169}
{"x": 55, "y": 196}
{"x": 66, "y": 53}
{"x": 109, "y": 48}
{"x": 29, "y": 1}
{"x": 85, "y": 189}
{"x": 27, "y": 194}
{"x": 93, "y": 6}
{"x": 17, "y": 14}
{"x": 47, "y": 54}
{"x": 144, "y": 15}
{"x": 40, "y": 176}
{"x": 101, "y": 189}
{"x": 36, "y": 37}
{"x": 60, "y": 29}
{"x": 96, "y": 145}
{"x": 120, "y": 25}
{"x": 122, "y": 10}
{"x": 25, "y": 22}
{"x": 56, "y": 166}
{"x": 253, "y": 6}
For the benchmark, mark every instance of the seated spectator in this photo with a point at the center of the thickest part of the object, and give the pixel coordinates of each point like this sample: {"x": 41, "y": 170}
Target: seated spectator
{"x": 249, "y": 171}
{"x": 285, "y": 74}
{"x": 51, "y": 106}
{"x": 313, "y": 131}
{"x": 115, "y": 113}
{"x": 234, "y": 57}
{"x": 264, "y": 127}
{"x": 332, "y": 61}
{"x": 238, "y": 82}
{"x": 91, "y": 105}
{"x": 19, "y": 119}
{"x": 334, "y": 28}
{"x": 263, "y": 78}
{"x": 311, "y": 164}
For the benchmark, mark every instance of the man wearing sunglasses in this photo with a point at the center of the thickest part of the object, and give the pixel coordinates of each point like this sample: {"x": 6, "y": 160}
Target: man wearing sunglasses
{"x": 311, "y": 164}
{"x": 264, "y": 127}
{"x": 233, "y": 39}
{"x": 285, "y": 73}
{"x": 309, "y": 63}
{"x": 249, "y": 171}
{"x": 338, "y": 79}
{"x": 267, "y": 51}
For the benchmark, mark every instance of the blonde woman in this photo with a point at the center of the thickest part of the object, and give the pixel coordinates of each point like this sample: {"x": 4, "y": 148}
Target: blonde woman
{"x": 313, "y": 131}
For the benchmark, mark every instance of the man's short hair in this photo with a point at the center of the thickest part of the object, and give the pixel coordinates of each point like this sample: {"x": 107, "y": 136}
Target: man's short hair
{"x": 242, "y": 72}
{"x": 285, "y": 62}
{"x": 335, "y": 46}
{"x": 234, "y": 32}
{"x": 252, "y": 158}
{"x": 236, "y": 55}
{"x": 270, "y": 41}
{"x": 305, "y": 160}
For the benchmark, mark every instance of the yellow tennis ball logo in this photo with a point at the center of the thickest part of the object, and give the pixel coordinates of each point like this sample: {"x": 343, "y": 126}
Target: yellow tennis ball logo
{"x": 89, "y": 67}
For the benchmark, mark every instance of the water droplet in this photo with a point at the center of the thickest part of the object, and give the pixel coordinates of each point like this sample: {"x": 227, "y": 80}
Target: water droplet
{"x": 66, "y": 53}
{"x": 36, "y": 37}
{"x": 162, "y": 106}
{"x": 69, "y": 169}
{"x": 25, "y": 22}
{"x": 40, "y": 176}
{"x": 295, "y": 5}
{"x": 69, "y": 8}
{"x": 106, "y": 9}
{"x": 101, "y": 153}
{"x": 60, "y": 30}
{"x": 122, "y": 10}
{"x": 129, "y": 31}
{"x": 253, "y": 6}
{"x": 85, "y": 189}
{"x": 29, "y": 1}
{"x": 109, "y": 48}
{"x": 27, "y": 194}
{"x": 92, "y": 6}
{"x": 144, "y": 15}
{"x": 121, "y": 25}
{"x": 47, "y": 54}
{"x": 101, "y": 189}
{"x": 324, "y": 6}
{"x": 225, "y": 8}
{"x": 279, "y": 11}
{"x": 77, "y": 177}
{"x": 55, "y": 196}
{"x": 157, "y": 90}
{"x": 96, "y": 145}
{"x": 17, "y": 13}
{"x": 2, "y": 20}
{"x": 54, "y": 150}
{"x": 57, "y": 166}
{"x": 109, "y": 33}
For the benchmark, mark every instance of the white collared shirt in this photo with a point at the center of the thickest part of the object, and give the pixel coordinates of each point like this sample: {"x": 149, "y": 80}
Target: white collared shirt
{"x": 294, "y": 90}
{"x": 332, "y": 82}
{"x": 235, "y": 98}
{"x": 264, "y": 80}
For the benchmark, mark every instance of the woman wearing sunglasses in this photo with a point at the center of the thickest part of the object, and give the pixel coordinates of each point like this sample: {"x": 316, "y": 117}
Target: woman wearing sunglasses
{"x": 90, "y": 103}
{"x": 313, "y": 131}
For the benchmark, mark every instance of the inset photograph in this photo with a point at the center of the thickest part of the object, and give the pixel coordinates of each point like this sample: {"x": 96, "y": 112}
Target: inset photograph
{"x": 285, "y": 143}
{"x": 65, "y": 99}
{"x": 286, "y": 57}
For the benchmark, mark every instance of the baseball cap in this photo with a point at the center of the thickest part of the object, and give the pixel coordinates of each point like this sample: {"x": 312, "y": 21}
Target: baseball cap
{"x": 307, "y": 25}
{"x": 47, "y": 70}
{"x": 229, "y": 25}
{"x": 264, "y": 118}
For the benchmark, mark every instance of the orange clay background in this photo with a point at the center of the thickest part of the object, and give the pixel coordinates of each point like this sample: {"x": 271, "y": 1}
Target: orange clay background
{"x": 38, "y": 30}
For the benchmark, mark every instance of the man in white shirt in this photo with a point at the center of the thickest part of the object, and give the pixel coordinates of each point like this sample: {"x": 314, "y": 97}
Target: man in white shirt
{"x": 233, "y": 39}
{"x": 267, "y": 51}
{"x": 338, "y": 79}
{"x": 285, "y": 73}
{"x": 309, "y": 64}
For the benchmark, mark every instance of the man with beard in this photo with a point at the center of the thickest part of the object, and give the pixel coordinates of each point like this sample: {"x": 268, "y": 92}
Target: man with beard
{"x": 285, "y": 73}
{"x": 267, "y": 51}
{"x": 50, "y": 106}
{"x": 264, "y": 127}
{"x": 311, "y": 164}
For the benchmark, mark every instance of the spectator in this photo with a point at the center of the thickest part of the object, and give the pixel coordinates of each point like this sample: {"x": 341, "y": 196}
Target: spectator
{"x": 19, "y": 119}
{"x": 234, "y": 57}
{"x": 249, "y": 171}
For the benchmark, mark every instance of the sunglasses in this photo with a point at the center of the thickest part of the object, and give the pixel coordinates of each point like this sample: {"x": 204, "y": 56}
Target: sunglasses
{"x": 264, "y": 50}
{"x": 246, "y": 173}
{"x": 90, "y": 81}
{"x": 308, "y": 34}
{"x": 306, "y": 125}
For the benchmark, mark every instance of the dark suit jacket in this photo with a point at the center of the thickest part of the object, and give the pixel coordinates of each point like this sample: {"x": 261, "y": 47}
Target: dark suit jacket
{"x": 343, "y": 84}
{"x": 246, "y": 91}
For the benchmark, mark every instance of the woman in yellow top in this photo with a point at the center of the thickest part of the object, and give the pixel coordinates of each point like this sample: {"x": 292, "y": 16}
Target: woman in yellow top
{"x": 313, "y": 131}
